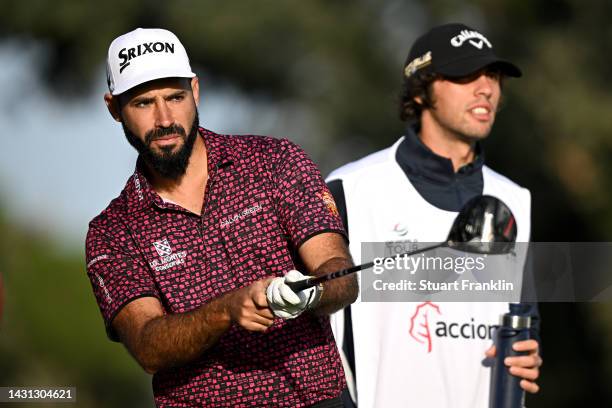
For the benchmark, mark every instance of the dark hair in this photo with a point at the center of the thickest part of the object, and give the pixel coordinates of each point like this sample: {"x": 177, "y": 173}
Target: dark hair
{"x": 418, "y": 85}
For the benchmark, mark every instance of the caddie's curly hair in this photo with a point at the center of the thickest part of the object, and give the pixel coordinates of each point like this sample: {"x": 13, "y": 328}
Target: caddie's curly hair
{"x": 417, "y": 85}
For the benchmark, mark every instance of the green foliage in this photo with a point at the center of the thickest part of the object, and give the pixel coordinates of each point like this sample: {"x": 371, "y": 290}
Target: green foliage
{"x": 52, "y": 332}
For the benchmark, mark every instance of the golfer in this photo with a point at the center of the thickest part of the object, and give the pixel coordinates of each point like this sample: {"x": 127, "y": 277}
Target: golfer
{"x": 189, "y": 264}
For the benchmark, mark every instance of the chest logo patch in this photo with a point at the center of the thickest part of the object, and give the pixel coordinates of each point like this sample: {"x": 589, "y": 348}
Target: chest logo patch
{"x": 162, "y": 247}
{"x": 428, "y": 322}
{"x": 168, "y": 258}
{"x": 400, "y": 229}
{"x": 238, "y": 216}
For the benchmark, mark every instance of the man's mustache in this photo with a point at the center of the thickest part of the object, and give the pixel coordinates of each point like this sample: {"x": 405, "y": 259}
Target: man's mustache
{"x": 151, "y": 135}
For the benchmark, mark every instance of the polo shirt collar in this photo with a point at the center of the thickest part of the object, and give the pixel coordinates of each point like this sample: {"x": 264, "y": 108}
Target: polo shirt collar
{"x": 218, "y": 150}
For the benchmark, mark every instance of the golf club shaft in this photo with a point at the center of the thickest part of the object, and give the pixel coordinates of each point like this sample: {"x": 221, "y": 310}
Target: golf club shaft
{"x": 314, "y": 281}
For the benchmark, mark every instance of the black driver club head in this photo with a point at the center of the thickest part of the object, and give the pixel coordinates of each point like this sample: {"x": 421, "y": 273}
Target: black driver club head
{"x": 485, "y": 225}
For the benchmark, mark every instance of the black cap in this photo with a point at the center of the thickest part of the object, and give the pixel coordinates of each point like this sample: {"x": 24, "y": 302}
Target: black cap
{"x": 454, "y": 51}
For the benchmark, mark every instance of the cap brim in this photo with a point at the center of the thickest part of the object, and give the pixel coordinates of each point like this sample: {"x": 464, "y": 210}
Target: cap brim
{"x": 152, "y": 76}
{"x": 468, "y": 66}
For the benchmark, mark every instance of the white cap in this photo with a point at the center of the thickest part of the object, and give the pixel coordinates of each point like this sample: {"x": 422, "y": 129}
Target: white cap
{"x": 143, "y": 55}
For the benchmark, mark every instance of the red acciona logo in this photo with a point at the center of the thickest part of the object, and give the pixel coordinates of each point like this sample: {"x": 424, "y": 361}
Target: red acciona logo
{"x": 419, "y": 323}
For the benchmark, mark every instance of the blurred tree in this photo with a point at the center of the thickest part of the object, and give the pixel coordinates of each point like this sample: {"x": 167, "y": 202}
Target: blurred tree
{"x": 52, "y": 333}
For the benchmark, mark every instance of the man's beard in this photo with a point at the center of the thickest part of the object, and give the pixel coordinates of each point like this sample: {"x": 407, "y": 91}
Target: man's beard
{"x": 168, "y": 164}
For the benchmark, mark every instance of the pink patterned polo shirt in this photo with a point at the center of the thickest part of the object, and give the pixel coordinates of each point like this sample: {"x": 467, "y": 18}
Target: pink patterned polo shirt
{"x": 264, "y": 198}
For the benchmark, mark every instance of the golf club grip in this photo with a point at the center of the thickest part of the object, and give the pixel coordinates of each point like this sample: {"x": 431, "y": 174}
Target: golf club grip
{"x": 314, "y": 281}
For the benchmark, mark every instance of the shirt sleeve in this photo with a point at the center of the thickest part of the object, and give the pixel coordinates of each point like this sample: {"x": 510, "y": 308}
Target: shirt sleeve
{"x": 337, "y": 191}
{"x": 117, "y": 277}
{"x": 304, "y": 202}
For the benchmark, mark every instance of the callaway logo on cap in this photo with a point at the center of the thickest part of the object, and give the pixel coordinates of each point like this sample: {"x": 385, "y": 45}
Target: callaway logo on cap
{"x": 454, "y": 51}
{"x": 143, "y": 55}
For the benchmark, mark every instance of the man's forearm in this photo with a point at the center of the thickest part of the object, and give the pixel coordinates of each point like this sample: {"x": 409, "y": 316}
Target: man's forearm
{"x": 174, "y": 340}
{"x": 337, "y": 293}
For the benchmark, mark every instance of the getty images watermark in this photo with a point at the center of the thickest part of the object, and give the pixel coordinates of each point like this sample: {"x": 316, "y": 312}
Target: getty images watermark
{"x": 528, "y": 272}
{"x": 428, "y": 264}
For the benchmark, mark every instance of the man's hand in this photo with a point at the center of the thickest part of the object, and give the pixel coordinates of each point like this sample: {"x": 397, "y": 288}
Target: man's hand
{"x": 287, "y": 304}
{"x": 527, "y": 367}
{"x": 249, "y": 307}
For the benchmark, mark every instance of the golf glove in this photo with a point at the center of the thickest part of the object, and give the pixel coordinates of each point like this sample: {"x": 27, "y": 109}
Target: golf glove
{"x": 287, "y": 304}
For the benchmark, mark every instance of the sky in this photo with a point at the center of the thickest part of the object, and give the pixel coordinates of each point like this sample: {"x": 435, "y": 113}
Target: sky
{"x": 66, "y": 161}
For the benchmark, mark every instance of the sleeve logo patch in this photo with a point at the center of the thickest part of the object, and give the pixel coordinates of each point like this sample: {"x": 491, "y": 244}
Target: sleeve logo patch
{"x": 329, "y": 202}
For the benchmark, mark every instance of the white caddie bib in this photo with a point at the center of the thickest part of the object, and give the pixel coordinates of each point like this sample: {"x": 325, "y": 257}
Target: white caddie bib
{"x": 443, "y": 365}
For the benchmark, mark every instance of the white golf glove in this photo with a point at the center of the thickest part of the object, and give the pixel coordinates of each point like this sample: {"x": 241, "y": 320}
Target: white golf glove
{"x": 287, "y": 304}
